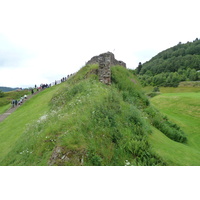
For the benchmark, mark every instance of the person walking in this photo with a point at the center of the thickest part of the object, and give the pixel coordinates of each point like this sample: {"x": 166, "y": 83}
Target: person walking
{"x": 16, "y": 102}
{"x": 13, "y": 103}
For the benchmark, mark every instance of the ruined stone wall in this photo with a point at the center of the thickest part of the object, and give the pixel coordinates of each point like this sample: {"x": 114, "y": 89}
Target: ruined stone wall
{"x": 104, "y": 69}
{"x": 105, "y": 61}
{"x": 108, "y": 55}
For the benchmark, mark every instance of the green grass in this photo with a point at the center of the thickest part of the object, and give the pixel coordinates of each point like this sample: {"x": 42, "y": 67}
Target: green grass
{"x": 184, "y": 110}
{"x": 14, "y": 125}
{"x": 4, "y": 108}
{"x": 181, "y": 89}
{"x": 173, "y": 153}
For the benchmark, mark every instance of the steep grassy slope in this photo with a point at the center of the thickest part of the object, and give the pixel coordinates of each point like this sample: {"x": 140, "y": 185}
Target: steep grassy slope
{"x": 183, "y": 109}
{"x": 14, "y": 125}
{"x": 84, "y": 122}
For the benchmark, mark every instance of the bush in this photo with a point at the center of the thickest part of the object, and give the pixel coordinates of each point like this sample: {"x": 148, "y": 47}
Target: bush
{"x": 2, "y": 94}
{"x": 152, "y": 94}
{"x": 156, "y": 89}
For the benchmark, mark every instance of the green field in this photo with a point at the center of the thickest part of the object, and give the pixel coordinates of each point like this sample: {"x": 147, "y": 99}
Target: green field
{"x": 183, "y": 109}
{"x": 181, "y": 89}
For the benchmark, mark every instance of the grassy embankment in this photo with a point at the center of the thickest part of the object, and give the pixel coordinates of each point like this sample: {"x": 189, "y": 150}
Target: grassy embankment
{"x": 83, "y": 122}
{"x": 14, "y": 125}
{"x": 182, "y": 106}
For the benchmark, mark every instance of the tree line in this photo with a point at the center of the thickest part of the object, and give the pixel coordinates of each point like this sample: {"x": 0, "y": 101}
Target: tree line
{"x": 169, "y": 79}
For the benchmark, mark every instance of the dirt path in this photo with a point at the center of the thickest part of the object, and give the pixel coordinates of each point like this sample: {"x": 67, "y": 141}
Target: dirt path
{"x": 11, "y": 110}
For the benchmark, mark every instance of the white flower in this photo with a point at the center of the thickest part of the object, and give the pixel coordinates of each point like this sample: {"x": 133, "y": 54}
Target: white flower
{"x": 127, "y": 163}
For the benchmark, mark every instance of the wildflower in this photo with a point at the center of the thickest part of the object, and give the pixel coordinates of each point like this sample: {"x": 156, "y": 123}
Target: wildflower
{"x": 127, "y": 163}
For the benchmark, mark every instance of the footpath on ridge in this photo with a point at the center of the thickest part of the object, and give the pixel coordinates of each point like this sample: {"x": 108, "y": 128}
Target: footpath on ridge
{"x": 11, "y": 110}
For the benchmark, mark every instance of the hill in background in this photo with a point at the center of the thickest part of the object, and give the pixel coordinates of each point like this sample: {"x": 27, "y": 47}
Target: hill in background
{"x": 7, "y": 89}
{"x": 172, "y": 66}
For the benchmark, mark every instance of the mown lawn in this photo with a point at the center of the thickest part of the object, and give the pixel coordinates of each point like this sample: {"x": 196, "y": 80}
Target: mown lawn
{"x": 181, "y": 89}
{"x": 183, "y": 109}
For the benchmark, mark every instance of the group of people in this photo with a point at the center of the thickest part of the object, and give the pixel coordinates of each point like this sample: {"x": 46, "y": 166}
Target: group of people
{"x": 42, "y": 86}
{"x": 16, "y": 102}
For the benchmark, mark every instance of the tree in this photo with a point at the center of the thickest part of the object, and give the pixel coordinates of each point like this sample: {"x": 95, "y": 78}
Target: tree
{"x": 139, "y": 68}
{"x": 1, "y": 94}
{"x": 193, "y": 75}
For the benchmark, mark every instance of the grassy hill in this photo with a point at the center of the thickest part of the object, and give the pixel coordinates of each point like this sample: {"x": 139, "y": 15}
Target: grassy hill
{"x": 84, "y": 122}
{"x": 7, "y": 89}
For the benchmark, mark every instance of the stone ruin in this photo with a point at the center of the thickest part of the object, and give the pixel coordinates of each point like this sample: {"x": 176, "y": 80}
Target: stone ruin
{"x": 105, "y": 61}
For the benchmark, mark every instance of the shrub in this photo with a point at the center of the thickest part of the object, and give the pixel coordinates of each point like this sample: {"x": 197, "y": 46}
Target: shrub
{"x": 1, "y": 94}
{"x": 152, "y": 94}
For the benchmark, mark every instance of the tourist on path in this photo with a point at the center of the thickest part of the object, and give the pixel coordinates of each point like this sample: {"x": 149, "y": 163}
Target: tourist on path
{"x": 16, "y": 102}
{"x": 13, "y": 103}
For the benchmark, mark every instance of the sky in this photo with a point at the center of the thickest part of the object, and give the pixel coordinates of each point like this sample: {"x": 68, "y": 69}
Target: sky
{"x": 42, "y": 41}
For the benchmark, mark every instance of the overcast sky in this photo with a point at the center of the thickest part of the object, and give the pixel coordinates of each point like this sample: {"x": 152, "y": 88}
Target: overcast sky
{"x": 44, "y": 40}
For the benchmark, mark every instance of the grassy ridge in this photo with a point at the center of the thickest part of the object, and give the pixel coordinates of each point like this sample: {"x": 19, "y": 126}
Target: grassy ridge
{"x": 183, "y": 109}
{"x": 84, "y": 122}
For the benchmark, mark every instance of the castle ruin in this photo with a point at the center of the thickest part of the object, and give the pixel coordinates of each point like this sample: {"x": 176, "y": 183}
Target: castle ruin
{"x": 105, "y": 61}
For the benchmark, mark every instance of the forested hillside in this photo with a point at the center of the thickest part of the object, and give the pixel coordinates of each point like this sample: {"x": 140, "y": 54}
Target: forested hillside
{"x": 170, "y": 67}
{"x": 7, "y": 89}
